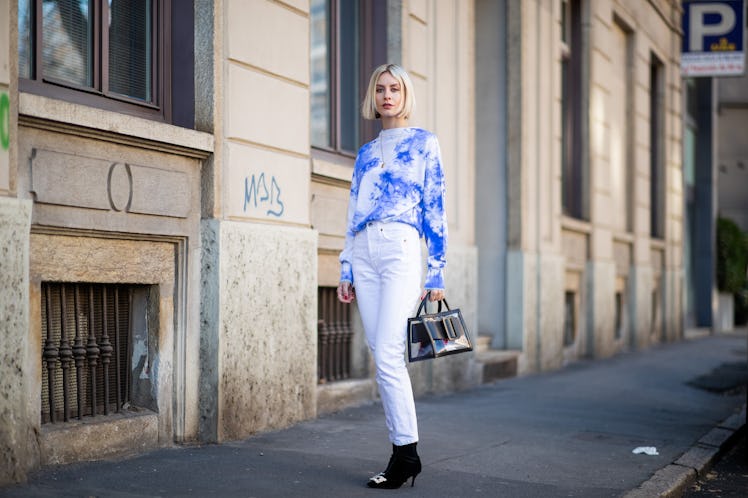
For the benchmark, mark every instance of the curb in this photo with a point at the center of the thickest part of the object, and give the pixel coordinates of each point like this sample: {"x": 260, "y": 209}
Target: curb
{"x": 675, "y": 478}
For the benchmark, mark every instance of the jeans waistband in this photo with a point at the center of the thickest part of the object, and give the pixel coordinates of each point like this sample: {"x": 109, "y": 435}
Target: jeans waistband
{"x": 379, "y": 224}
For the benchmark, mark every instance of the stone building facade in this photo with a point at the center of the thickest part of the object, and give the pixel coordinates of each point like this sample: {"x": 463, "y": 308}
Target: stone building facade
{"x": 170, "y": 239}
{"x": 589, "y": 239}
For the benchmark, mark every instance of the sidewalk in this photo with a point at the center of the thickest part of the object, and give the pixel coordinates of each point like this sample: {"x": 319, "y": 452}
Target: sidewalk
{"x": 564, "y": 433}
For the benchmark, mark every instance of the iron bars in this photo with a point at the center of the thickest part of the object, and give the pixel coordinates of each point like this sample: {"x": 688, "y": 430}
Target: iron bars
{"x": 96, "y": 318}
{"x": 334, "y": 337}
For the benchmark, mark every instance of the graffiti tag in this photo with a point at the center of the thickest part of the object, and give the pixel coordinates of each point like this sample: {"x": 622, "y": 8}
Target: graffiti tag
{"x": 4, "y": 121}
{"x": 256, "y": 192}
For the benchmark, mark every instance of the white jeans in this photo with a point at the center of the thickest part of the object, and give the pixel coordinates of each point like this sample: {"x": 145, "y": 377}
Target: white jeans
{"x": 386, "y": 263}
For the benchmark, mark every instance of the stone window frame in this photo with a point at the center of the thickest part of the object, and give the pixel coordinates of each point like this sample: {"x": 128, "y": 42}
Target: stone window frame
{"x": 62, "y": 255}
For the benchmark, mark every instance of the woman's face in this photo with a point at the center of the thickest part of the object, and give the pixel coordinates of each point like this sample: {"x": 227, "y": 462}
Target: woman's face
{"x": 389, "y": 96}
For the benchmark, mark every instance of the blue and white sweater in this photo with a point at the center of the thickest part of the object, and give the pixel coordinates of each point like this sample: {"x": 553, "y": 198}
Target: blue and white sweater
{"x": 408, "y": 189}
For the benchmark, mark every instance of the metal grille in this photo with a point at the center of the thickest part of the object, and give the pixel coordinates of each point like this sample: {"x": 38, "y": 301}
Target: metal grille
{"x": 334, "y": 337}
{"x": 85, "y": 351}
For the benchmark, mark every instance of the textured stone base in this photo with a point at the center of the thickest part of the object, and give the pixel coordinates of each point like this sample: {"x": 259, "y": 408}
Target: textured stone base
{"x": 97, "y": 438}
{"x": 259, "y": 312}
{"x": 337, "y": 396}
{"x": 17, "y": 448}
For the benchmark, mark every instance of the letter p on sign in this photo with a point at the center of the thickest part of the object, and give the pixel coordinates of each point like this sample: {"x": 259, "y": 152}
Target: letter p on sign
{"x": 698, "y": 14}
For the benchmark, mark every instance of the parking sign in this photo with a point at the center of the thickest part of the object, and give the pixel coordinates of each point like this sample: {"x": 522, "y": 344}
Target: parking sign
{"x": 713, "y": 38}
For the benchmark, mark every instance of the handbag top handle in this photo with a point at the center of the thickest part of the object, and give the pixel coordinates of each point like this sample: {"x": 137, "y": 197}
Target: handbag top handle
{"x": 424, "y": 304}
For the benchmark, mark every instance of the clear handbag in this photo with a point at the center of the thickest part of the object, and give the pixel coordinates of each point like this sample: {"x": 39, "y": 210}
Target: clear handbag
{"x": 433, "y": 335}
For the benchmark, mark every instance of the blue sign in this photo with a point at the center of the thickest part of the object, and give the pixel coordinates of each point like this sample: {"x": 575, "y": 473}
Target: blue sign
{"x": 713, "y": 38}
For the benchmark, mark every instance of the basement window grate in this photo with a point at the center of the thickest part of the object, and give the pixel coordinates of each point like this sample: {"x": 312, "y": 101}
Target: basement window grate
{"x": 335, "y": 334}
{"x": 86, "y": 349}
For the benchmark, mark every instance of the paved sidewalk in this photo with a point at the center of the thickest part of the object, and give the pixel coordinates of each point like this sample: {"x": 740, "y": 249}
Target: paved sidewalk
{"x": 564, "y": 433}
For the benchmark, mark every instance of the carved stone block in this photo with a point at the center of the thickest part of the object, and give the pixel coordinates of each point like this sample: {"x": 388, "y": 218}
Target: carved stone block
{"x": 93, "y": 183}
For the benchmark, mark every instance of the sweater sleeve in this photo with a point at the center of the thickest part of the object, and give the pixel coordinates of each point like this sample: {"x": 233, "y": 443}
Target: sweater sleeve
{"x": 434, "y": 217}
{"x": 346, "y": 272}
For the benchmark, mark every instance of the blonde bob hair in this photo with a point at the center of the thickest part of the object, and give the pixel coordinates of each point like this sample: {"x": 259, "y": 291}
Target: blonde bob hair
{"x": 369, "y": 106}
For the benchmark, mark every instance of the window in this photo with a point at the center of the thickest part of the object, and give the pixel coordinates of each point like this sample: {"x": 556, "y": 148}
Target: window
{"x": 111, "y": 54}
{"x": 573, "y": 178}
{"x": 656, "y": 149}
{"x": 348, "y": 41}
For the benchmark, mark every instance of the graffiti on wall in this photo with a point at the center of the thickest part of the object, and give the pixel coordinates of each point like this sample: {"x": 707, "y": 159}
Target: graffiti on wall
{"x": 4, "y": 121}
{"x": 4, "y": 137}
{"x": 257, "y": 193}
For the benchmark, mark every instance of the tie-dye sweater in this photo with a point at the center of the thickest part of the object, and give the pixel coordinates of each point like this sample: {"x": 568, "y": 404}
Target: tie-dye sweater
{"x": 409, "y": 188}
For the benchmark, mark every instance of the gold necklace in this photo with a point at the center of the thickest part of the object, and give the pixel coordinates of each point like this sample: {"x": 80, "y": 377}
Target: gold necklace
{"x": 381, "y": 150}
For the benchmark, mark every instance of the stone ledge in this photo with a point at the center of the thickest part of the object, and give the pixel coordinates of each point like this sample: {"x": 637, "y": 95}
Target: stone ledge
{"x": 98, "y": 437}
{"x": 344, "y": 394}
{"x": 716, "y": 437}
{"x": 699, "y": 458}
{"x": 666, "y": 482}
{"x": 497, "y": 365}
{"x": 59, "y": 115}
{"x": 735, "y": 421}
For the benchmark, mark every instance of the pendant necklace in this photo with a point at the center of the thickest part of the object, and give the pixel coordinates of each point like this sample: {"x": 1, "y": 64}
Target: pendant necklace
{"x": 381, "y": 149}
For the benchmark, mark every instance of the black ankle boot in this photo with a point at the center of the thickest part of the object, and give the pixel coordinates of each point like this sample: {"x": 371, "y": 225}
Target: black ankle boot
{"x": 404, "y": 463}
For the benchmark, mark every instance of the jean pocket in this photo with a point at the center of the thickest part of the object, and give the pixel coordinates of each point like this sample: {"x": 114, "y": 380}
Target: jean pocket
{"x": 397, "y": 231}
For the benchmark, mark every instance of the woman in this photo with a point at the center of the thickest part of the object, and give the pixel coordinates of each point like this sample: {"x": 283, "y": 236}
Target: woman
{"x": 397, "y": 196}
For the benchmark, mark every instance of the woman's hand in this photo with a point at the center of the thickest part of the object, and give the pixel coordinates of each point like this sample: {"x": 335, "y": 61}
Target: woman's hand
{"x": 346, "y": 292}
{"x": 436, "y": 294}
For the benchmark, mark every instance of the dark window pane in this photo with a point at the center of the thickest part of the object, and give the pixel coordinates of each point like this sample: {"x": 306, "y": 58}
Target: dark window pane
{"x": 320, "y": 60}
{"x": 350, "y": 101}
{"x": 25, "y": 47}
{"x": 572, "y": 172}
{"x": 619, "y": 316}
{"x": 570, "y": 318}
{"x": 130, "y": 48}
{"x": 67, "y": 31}
{"x": 657, "y": 177}
{"x": 565, "y": 21}
{"x": 567, "y": 191}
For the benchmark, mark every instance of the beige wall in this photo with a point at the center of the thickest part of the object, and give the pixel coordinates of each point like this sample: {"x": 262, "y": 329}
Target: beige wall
{"x": 438, "y": 53}
{"x": 18, "y": 452}
{"x": 596, "y": 258}
{"x": 260, "y": 248}
{"x": 266, "y": 138}
{"x": 268, "y": 333}
{"x": 733, "y": 149}
{"x": 5, "y": 48}
{"x": 615, "y": 236}
{"x": 18, "y": 449}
